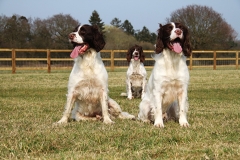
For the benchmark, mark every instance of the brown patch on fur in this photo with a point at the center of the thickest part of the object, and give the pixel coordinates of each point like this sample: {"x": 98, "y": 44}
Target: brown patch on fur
{"x": 88, "y": 91}
{"x": 136, "y": 81}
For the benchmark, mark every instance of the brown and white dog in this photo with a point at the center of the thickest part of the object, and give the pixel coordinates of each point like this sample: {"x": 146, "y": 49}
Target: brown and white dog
{"x": 136, "y": 74}
{"x": 88, "y": 81}
{"x": 166, "y": 92}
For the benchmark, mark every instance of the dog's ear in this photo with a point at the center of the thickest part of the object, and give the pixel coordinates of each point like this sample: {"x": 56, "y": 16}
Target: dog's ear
{"x": 159, "y": 43}
{"x": 98, "y": 40}
{"x": 142, "y": 56}
{"x": 187, "y": 48}
{"x": 129, "y": 54}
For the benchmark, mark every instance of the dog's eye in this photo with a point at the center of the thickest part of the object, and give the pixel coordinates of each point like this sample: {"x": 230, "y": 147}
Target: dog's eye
{"x": 82, "y": 31}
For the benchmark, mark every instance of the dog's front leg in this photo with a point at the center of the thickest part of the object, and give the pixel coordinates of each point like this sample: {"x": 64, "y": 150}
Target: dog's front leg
{"x": 104, "y": 103}
{"x": 129, "y": 88}
{"x": 183, "y": 108}
{"x": 143, "y": 87}
{"x": 158, "y": 122}
{"x": 68, "y": 109}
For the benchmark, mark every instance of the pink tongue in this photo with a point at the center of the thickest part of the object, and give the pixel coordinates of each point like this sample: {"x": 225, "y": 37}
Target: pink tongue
{"x": 177, "y": 47}
{"x": 135, "y": 58}
{"x": 74, "y": 53}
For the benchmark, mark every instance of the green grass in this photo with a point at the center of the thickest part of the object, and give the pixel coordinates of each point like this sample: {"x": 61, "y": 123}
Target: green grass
{"x": 30, "y": 102}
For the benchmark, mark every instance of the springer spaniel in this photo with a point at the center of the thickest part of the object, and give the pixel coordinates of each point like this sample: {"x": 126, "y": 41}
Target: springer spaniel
{"x": 88, "y": 81}
{"x": 166, "y": 92}
{"x": 136, "y": 73}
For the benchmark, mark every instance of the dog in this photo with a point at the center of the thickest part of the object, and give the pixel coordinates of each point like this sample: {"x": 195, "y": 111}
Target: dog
{"x": 166, "y": 91}
{"x": 136, "y": 74}
{"x": 88, "y": 81}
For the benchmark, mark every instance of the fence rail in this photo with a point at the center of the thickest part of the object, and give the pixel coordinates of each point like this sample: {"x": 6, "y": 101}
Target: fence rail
{"x": 49, "y": 59}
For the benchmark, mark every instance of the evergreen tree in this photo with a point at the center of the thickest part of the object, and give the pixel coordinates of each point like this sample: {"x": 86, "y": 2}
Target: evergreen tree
{"x": 116, "y": 22}
{"x": 96, "y": 20}
{"x": 127, "y": 27}
{"x": 145, "y": 35}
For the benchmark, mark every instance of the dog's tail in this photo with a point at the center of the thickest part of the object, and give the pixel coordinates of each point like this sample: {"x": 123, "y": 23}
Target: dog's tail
{"x": 123, "y": 94}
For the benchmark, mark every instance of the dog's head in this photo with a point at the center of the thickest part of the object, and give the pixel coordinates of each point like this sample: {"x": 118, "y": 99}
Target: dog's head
{"x": 136, "y": 53}
{"x": 174, "y": 36}
{"x": 85, "y": 37}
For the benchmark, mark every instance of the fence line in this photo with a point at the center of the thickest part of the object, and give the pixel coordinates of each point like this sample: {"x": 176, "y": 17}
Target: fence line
{"x": 112, "y": 59}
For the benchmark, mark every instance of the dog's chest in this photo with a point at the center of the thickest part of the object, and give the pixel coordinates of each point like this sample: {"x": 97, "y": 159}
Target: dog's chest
{"x": 170, "y": 91}
{"x": 171, "y": 76}
{"x": 172, "y": 87}
{"x": 136, "y": 66}
{"x": 91, "y": 65}
{"x": 172, "y": 61}
{"x": 172, "y": 66}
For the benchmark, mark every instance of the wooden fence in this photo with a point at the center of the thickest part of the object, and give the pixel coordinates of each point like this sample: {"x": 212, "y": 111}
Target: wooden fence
{"x": 16, "y": 59}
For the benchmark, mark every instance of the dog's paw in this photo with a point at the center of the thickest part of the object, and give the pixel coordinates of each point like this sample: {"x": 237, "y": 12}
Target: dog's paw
{"x": 159, "y": 124}
{"x": 63, "y": 120}
{"x": 129, "y": 97}
{"x": 183, "y": 123}
{"x": 186, "y": 124}
{"x": 107, "y": 121}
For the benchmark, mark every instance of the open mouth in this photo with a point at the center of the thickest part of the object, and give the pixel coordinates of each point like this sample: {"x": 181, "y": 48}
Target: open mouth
{"x": 79, "y": 49}
{"x": 175, "y": 45}
{"x": 135, "y": 58}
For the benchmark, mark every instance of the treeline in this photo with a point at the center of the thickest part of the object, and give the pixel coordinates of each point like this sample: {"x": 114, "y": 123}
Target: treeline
{"x": 52, "y": 33}
{"x": 209, "y": 31}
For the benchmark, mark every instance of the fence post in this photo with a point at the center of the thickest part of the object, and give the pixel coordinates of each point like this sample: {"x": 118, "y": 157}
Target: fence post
{"x": 214, "y": 60}
{"x": 237, "y": 59}
{"x": 112, "y": 60}
{"x": 191, "y": 62}
{"x": 48, "y": 61}
{"x": 13, "y": 61}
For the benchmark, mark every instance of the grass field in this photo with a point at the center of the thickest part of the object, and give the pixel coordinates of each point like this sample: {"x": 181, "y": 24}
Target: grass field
{"x": 30, "y": 102}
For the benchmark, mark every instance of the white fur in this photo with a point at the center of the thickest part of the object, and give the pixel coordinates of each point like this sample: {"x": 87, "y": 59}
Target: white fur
{"x": 88, "y": 89}
{"x": 166, "y": 90}
{"x": 136, "y": 67}
{"x": 78, "y": 39}
{"x": 173, "y": 34}
{"x": 89, "y": 69}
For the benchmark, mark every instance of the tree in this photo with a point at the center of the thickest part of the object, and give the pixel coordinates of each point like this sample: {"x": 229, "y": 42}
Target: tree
{"x": 96, "y": 20}
{"x": 59, "y": 26}
{"x": 117, "y": 39}
{"x": 208, "y": 29}
{"x": 127, "y": 27}
{"x": 145, "y": 35}
{"x": 15, "y": 32}
{"x": 116, "y": 22}
{"x": 42, "y": 37}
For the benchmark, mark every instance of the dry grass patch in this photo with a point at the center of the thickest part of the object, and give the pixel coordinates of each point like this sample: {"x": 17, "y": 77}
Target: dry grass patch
{"x": 31, "y": 102}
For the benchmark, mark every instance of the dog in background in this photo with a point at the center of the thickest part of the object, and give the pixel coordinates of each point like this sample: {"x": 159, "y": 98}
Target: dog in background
{"x": 136, "y": 74}
{"x": 88, "y": 81}
{"x": 166, "y": 93}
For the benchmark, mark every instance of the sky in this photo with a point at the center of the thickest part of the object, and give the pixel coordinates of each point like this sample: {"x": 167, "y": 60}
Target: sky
{"x": 139, "y": 13}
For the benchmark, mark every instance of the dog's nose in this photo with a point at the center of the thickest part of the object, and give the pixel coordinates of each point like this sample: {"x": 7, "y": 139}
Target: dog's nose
{"x": 136, "y": 53}
{"x": 178, "y": 31}
{"x": 71, "y": 36}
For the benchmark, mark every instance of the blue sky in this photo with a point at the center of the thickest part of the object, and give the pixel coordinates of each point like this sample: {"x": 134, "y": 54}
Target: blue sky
{"x": 139, "y": 12}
